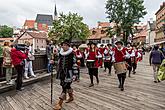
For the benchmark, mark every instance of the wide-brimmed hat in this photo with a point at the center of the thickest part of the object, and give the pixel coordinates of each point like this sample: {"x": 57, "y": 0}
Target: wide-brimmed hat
{"x": 119, "y": 42}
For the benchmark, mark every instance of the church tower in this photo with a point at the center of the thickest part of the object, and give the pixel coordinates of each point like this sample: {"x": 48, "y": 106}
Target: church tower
{"x": 55, "y": 13}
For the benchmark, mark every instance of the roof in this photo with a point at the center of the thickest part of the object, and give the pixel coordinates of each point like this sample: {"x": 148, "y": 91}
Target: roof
{"x": 96, "y": 33}
{"x": 104, "y": 24}
{"x": 29, "y": 23}
{"x": 142, "y": 33}
{"x": 6, "y": 39}
{"x": 44, "y": 19}
{"x": 38, "y": 35}
{"x": 161, "y": 7}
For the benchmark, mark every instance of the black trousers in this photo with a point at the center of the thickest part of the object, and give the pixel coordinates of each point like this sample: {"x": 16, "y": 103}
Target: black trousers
{"x": 134, "y": 65}
{"x": 121, "y": 78}
{"x": 65, "y": 86}
{"x": 20, "y": 70}
{"x": 93, "y": 72}
{"x": 108, "y": 65}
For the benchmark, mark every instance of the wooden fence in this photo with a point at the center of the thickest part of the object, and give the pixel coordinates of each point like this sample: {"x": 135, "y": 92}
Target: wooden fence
{"x": 39, "y": 64}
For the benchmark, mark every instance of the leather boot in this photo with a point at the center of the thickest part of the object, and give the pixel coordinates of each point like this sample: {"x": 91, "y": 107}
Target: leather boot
{"x": 70, "y": 92}
{"x": 58, "y": 105}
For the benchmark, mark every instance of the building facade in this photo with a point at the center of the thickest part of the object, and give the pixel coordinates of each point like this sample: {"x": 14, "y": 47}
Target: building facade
{"x": 38, "y": 39}
{"x": 151, "y": 34}
{"x": 160, "y": 24}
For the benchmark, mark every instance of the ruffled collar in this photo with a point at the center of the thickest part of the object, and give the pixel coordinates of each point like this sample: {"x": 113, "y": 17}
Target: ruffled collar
{"x": 67, "y": 52}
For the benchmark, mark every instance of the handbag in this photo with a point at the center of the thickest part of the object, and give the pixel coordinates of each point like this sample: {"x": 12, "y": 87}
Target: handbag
{"x": 7, "y": 62}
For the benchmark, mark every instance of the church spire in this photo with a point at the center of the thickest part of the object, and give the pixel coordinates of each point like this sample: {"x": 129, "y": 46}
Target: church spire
{"x": 55, "y": 13}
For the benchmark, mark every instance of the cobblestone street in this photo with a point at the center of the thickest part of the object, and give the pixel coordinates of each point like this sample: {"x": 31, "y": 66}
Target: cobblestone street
{"x": 141, "y": 93}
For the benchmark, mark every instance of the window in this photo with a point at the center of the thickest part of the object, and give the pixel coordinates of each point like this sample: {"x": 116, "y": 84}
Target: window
{"x": 42, "y": 41}
{"x": 42, "y": 47}
{"x": 107, "y": 41}
{"x": 102, "y": 32}
{"x": 93, "y": 32}
{"x": 103, "y": 41}
{"x": 37, "y": 40}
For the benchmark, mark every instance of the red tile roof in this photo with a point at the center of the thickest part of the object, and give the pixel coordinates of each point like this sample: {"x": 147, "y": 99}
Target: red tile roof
{"x": 29, "y": 23}
{"x": 143, "y": 33}
{"x": 96, "y": 33}
{"x": 104, "y": 24}
{"x": 42, "y": 27}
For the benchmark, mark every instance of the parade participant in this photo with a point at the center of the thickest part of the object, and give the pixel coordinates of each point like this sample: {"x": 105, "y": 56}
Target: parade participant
{"x": 67, "y": 71}
{"x": 129, "y": 60}
{"x": 92, "y": 63}
{"x": 101, "y": 49}
{"x": 135, "y": 59}
{"x": 79, "y": 58}
{"x": 108, "y": 52}
{"x": 120, "y": 54}
{"x": 155, "y": 59}
{"x": 87, "y": 50}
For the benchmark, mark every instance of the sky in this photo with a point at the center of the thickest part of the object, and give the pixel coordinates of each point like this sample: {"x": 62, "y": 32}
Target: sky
{"x": 15, "y": 12}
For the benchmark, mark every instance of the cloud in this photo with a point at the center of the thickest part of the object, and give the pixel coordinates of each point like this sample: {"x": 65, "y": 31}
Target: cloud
{"x": 15, "y": 12}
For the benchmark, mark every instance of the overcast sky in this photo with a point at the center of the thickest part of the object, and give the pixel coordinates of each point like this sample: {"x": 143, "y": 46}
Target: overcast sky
{"x": 15, "y": 12}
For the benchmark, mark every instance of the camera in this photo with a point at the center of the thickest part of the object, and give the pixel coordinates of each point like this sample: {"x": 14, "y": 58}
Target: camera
{"x": 21, "y": 47}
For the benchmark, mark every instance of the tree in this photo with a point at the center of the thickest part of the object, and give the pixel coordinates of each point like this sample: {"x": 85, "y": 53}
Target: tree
{"x": 69, "y": 27}
{"x": 125, "y": 13}
{"x": 6, "y": 31}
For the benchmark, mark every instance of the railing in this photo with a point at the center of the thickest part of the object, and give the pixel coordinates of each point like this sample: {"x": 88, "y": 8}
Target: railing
{"x": 39, "y": 64}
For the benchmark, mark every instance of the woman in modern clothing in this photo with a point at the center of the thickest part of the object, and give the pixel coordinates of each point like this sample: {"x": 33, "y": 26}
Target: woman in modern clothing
{"x": 92, "y": 63}
{"x": 7, "y": 63}
{"x": 28, "y": 63}
{"x": 66, "y": 73}
{"x": 18, "y": 58}
{"x": 120, "y": 54}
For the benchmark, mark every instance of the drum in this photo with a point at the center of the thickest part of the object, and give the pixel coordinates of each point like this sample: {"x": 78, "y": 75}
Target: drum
{"x": 120, "y": 67}
{"x": 90, "y": 63}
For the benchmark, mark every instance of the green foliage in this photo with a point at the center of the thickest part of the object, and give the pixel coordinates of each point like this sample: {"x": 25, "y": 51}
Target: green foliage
{"x": 6, "y": 31}
{"x": 69, "y": 27}
{"x": 125, "y": 13}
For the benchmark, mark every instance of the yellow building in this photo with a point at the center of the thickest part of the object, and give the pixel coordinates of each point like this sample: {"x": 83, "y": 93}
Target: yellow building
{"x": 160, "y": 21}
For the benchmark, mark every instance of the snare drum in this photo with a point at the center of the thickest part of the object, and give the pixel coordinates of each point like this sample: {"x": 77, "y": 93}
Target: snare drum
{"x": 120, "y": 67}
{"x": 90, "y": 63}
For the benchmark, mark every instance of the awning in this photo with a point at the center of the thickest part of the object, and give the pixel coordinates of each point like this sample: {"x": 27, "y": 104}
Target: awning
{"x": 83, "y": 46}
{"x": 156, "y": 43}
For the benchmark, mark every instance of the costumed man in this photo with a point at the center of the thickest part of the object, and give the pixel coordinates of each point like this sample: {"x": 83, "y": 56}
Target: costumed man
{"x": 92, "y": 63}
{"x": 108, "y": 52}
{"x": 135, "y": 59}
{"x": 129, "y": 60}
{"x": 67, "y": 72}
{"x": 87, "y": 50}
{"x": 101, "y": 49}
{"x": 79, "y": 58}
{"x": 119, "y": 57}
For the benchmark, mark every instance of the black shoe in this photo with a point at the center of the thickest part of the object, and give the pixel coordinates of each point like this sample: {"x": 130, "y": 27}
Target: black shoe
{"x": 155, "y": 81}
{"x": 122, "y": 89}
{"x": 91, "y": 85}
{"x": 119, "y": 86}
{"x": 20, "y": 89}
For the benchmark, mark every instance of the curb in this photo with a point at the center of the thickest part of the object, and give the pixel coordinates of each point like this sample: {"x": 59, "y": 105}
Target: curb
{"x": 40, "y": 77}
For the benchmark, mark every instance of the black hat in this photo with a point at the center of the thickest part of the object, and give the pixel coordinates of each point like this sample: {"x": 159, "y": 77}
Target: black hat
{"x": 66, "y": 42}
{"x": 119, "y": 42}
{"x": 93, "y": 43}
{"x": 102, "y": 45}
{"x": 109, "y": 44}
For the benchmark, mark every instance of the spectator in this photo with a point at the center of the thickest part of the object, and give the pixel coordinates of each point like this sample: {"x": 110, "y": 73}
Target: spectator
{"x": 18, "y": 58}
{"x": 7, "y": 64}
{"x": 49, "y": 52}
{"x": 28, "y": 63}
{"x": 155, "y": 60}
{"x": 1, "y": 50}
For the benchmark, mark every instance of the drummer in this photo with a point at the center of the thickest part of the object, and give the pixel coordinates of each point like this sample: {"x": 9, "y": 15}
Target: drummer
{"x": 92, "y": 60}
{"x": 120, "y": 54}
